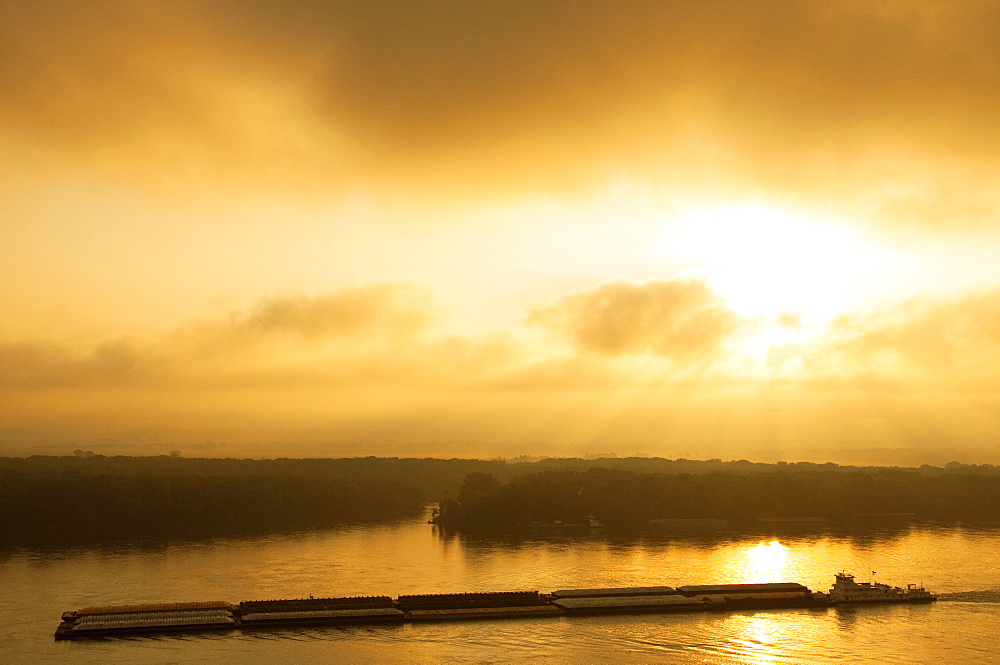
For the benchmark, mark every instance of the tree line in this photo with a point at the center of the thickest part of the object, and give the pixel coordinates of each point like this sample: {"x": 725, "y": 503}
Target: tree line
{"x": 102, "y": 498}
{"x": 121, "y": 499}
{"x": 627, "y": 499}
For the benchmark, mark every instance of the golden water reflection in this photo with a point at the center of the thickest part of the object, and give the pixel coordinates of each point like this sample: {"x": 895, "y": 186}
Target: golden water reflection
{"x": 409, "y": 557}
{"x": 764, "y": 562}
{"x": 766, "y": 637}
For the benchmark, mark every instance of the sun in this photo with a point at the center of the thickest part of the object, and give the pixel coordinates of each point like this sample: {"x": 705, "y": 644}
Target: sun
{"x": 766, "y": 261}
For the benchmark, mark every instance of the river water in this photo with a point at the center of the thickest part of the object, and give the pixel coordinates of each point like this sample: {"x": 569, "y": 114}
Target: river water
{"x": 960, "y": 563}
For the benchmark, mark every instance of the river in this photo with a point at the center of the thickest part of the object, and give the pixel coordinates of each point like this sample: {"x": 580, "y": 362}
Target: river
{"x": 958, "y": 562}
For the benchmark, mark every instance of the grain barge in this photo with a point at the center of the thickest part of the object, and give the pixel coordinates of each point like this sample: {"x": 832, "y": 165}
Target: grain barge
{"x": 103, "y": 621}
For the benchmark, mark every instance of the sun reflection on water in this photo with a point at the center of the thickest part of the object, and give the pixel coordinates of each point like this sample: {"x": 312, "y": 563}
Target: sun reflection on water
{"x": 768, "y": 638}
{"x": 756, "y": 639}
{"x": 765, "y": 562}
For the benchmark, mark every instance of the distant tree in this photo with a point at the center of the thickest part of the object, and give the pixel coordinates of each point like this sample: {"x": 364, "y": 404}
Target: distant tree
{"x": 479, "y": 483}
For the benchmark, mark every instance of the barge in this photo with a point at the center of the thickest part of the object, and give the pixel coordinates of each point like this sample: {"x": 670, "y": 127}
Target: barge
{"x": 152, "y": 618}
{"x": 114, "y": 620}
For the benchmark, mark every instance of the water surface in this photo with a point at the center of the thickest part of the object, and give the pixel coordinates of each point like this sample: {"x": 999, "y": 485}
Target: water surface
{"x": 413, "y": 557}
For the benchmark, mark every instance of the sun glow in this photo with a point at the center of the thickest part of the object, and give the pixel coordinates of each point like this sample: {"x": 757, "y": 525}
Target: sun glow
{"x": 765, "y": 261}
{"x": 766, "y": 561}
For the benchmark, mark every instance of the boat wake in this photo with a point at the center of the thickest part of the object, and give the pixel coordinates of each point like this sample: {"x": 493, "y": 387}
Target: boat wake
{"x": 986, "y": 596}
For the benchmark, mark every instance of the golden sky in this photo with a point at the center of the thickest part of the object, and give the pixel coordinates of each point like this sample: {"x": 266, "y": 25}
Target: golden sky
{"x": 711, "y": 229}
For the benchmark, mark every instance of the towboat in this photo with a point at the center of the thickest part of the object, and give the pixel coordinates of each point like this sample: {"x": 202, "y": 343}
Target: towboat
{"x": 846, "y": 590}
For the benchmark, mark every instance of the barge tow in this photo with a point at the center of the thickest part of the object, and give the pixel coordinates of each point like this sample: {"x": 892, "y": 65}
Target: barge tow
{"x": 112, "y": 620}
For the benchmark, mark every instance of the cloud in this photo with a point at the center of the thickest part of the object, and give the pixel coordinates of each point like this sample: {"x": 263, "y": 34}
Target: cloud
{"x": 681, "y": 320}
{"x": 163, "y": 96}
{"x": 277, "y": 340}
{"x": 391, "y": 336}
{"x": 371, "y": 312}
{"x": 830, "y": 101}
{"x": 648, "y": 364}
{"x": 950, "y": 342}
{"x": 381, "y": 336}
{"x": 38, "y": 365}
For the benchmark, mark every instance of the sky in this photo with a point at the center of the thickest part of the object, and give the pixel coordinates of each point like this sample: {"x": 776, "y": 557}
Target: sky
{"x": 761, "y": 230}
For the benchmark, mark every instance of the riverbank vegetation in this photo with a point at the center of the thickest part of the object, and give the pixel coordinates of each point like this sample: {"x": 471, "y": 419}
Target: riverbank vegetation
{"x": 88, "y": 497}
{"x": 626, "y": 499}
{"x": 104, "y": 499}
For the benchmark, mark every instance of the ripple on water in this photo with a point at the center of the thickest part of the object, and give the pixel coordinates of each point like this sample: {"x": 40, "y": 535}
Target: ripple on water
{"x": 985, "y": 596}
